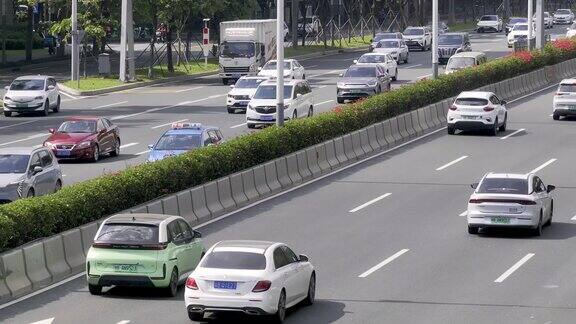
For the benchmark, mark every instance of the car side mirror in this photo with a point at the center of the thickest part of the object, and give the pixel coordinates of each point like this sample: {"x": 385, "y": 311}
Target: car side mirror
{"x": 550, "y": 188}
{"x": 474, "y": 185}
{"x": 150, "y": 146}
{"x": 51, "y": 87}
{"x": 231, "y": 86}
{"x": 303, "y": 258}
{"x": 340, "y": 75}
{"x": 355, "y": 61}
{"x": 51, "y": 130}
{"x": 7, "y": 88}
{"x": 197, "y": 234}
{"x": 503, "y": 102}
{"x": 37, "y": 169}
{"x": 298, "y": 95}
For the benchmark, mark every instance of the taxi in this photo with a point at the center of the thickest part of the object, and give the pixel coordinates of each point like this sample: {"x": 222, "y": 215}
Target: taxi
{"x": 183, "y": 137}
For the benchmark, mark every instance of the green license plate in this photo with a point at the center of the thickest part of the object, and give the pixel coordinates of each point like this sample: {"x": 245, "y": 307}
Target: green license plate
{"x": 500, "y": 220}
{"x": 125, "y": 267}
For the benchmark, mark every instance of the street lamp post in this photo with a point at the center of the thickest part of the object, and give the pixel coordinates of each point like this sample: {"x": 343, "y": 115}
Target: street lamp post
{"x": 280, "y": 63}
{"x": 530, "y": 23}
{"x": 434, "y": 39}
{"x": 75, "y": 70}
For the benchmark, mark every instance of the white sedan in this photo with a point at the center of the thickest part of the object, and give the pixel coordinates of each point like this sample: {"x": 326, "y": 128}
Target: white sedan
{"x": 384, "y": 60}
{"x": 28, "y": 94}
{"x": 520, "y": 30}
{"x": 292, "y": 70}
{"x": 477, "y": 110}
{"x": 251, "y": 277}
{"x": 510, "y": 200}
{"x": 571, "y": 31}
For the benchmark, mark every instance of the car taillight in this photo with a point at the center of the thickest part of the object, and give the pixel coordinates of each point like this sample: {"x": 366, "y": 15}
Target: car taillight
{"x": 453, "y": 107}
{"x": 509, "y": 201}
{"x": 559, "y": 94}
{"x": 262, "y": 285}
{"x": 102, "y": 245}
{"x": 191, "y": 283}
{"x": 488, "y": 108}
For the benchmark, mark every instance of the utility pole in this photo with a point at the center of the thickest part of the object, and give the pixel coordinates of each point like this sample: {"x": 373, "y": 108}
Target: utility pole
{"x": 294, "y": 28}
{"x": 279, "y": 63}
{"x": 75, "y": 44}
{"x": 3, "y": 7}
{"x": 530, "y": 24}
{"x": 434, "y": 39}
{"x": 540, "y": 24}
{"x": 126, "y": 43}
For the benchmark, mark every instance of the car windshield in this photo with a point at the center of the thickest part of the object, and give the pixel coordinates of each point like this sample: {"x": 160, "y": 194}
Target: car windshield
{"x": 13, "y": 163}
{"x": 513, "y": 21}
{"x": 372, "y": 59}
{"x": 567, "y": 87}
{"x": 272, "y": 66}
{"x": 457, "y": 63}
{"x": 248, "y": 83}
{"x": 520, "y": 27}
{"x": 562, "y": 12}
{"x": 235, "y": 260}
{"x": 128, "y": 234}
{"x": 78, "y": 126}
{"x": 504, "y": 186}
{"x": 380, "y": 37}
{"x": 388, "y": 44}
{"x": 178, "y": 142}
{"x": 360, "y": 72}
{"x": 414, "y": 31}
{"x": 237, "y": 49}
{"x": 489, "y": 18}
{"x": 450, "y": 40}
{"x": 27, "y": 85}
{"x": 269, "y": 92}
{"x": 471, "y": 102}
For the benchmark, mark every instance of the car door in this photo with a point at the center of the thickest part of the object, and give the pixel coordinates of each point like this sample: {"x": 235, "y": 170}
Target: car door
{"x": 308, "y": 97}
{"x": 49, "y": 168}
{"x": 112, "y": 131}
{"x": 40, "y": 180}
{"x": 392, "y": 65}
{"x": 284, "y": 273}
{"x": 299, "y": 271}
{"x": 192, "y": 247}
{"x": 180, "y": 247}
{"x": 297, "y": 100}
{"x": 544, "y": 195}
{"x": 103, "y": 137}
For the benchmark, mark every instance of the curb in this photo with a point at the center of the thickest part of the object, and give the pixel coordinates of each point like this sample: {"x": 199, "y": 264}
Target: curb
{"x": 142, "y": 84}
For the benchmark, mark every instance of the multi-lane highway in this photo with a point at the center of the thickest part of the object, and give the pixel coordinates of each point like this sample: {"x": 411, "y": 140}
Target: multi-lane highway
{"x": 404, "y": 258}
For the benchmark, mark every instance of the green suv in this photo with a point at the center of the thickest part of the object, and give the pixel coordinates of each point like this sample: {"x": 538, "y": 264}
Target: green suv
{"x": 143, "y": 250}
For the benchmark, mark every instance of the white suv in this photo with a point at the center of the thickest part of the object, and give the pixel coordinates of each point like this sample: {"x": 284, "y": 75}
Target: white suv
{"x": 298, "y": 102}
{"x": 489, "y": 23}
{"x": 564, "y": 103}
{"x": 477, "y": 110}
{"x": 29, "y": 94}
{"x": 241, "y": 92}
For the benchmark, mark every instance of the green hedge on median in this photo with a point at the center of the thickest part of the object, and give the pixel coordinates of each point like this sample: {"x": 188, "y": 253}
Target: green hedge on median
{"x": 29, "y": 219}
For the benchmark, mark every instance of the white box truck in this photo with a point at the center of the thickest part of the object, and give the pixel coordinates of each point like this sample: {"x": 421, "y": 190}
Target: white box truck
{"x": 245, "y": 45}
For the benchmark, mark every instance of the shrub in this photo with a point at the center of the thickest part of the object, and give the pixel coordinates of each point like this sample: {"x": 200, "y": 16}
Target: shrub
{"x": 29, "y": 219}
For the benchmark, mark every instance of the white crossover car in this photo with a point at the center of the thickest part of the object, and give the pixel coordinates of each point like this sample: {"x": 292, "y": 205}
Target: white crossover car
{"x": 418, "y": 38}
{"x": 384, "y": 60}
{"x": 571, "y": 31}
{"x": 489, "y": 23}
{"x": 563, "y": 16}
{"x": 477, "y": 110}
{"x": 298, "y": 102}
{"x": 397, "y": 48}
{"x": 29, "y": 94}
{"x": 292, "y": 70}
{"x": 241, "y": 93}
{"x": 251, "y": 277}
{"x": 520, "y": 30}
{"x": 564, "y": 103}
{"x": 510, "y": 200}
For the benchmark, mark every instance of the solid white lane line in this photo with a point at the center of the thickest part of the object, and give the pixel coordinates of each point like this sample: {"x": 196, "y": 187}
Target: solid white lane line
{"x": 412, "y": 66}
{"x": 512, "y": 134}
{"x": 168, "y": 124}
{"x": 110, "y": 105}
{"x": 127, "y": 145}
{"x": 18, "y": 124}
{"x": 364, "y": 205}
{"x": 322, "y": 86}
{"x": 24, "y": 139}
{"x": 383, "y": 263}
{"x": 69, "y": 96}
{"x": 451, "y": 163}
{"x": 239, "y": 125}
{"x": 189, "y": 89}
{"x": 143, "y": 152}
{"x": 124, "y": 322}
{"x": 547, "y": 163}
{"x": 149, "y": 110}
{"x": 324, "y": 102}
{"x": 514, "y": 267}
{"x": 464, "y": 213}
{"x": 46, "y": 321}
{"x": 311, "y": 66}
{"x": 321, "y": 74}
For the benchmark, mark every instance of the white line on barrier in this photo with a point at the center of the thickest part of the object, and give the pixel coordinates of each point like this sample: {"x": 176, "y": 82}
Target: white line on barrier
{"x": 311, "y": 66}
{"x": 127, "y": 145}
{"x": 514, "y": 268}
{"x": 189, "y": 89}
{"x": 110, "y": 105}
{"x": 18, "y": 124}
{"x": 364, "y": 205}
{"x": 383, "y": 263}
{"x": 512, "y": 134}
{"x": 451, "y": 163}
{"x": 547, "y": 163}
{"x": 239, "y": 125}
{"x": 168, "y": 124}
{"x": 324, "y": 102}
{"x": 464, "y": 213}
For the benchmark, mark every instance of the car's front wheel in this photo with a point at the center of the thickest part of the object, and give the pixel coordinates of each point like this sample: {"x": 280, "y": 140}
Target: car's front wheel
{"x": 57, "y": 107}
{"x": 451, "y": 130}
{"x": 116, "y": 150}
{"x": 556, "y": 116}
{"x": 494, "y": 130}
{"x": 310, "y": 111}
{"x": 95, "y": 154}
{"x": 95, "y": 290}
{"x": 311, "y": 291}
{"x": 340, "y": 100}
{"x": 58, "y": 186}
{"x": 46, "y": 110}
{"x": 549, "y": 222}
{"x": 503, "y": 126}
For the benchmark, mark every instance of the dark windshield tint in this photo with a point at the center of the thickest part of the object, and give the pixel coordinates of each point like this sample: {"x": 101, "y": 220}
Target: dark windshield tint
{"x": 567, "y": 88}
{"x": 360, "y": 72}
{"x": 13, "y": 163}
{"x": 248, "y": 83}
{"x": 389, "y": 44}
{"x": 450, "y": 40}
{"x": 178, "y": 142}
{"x": 372, "y": 59}
{"x": 78, "y": 126}
{"x": 471, "y": 102}
{"x": 24, "y": 85}
{"x": 520, "y": 27}
{"x": 128, "y": 234}
{"x": 562, "y": 12}
{"x": 414, "y": 31}
{"x": 269, "y": 92}
{"x": 489, "y": 18}
{"x": 456, "y": 63}
{"x": 272, "y": 66}
{"x": 504, "y": 186}
{"x": 237, "y": 49}
{"x": 235, "y": 260}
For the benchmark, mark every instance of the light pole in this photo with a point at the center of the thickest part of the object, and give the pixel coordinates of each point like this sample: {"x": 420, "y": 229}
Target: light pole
{"x": 540, "y": 24}
{"x": 280, "y": 63}
{"x": 75, "y": 70}
{"x": 530, "y": 23}
{"x": 434, "y": 39}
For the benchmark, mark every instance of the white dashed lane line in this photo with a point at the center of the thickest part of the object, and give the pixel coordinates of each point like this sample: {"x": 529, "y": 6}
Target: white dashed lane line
{"x": 364, "y": 205}
{"x": 514, "y": 268}
{"x": 451, "y": 163}
{"x": 383, "y": 263}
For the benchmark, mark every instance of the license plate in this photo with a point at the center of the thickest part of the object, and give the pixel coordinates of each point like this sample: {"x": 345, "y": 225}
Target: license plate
{"x": 22, "y": 105}
{"x": 355, "y": 91}
{"x": 470, "y": 117}
{"x": 63, "y": 152}
{"x": 500, "y": 220}
{"x": 267, "y": 117}
{"x": 125, "y": 267}
{"x": 231, "y": 285}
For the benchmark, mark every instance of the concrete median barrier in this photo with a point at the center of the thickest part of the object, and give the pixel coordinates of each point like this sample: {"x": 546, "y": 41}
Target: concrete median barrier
{"x": 199, "y": 204}
{"x": 87, "y": 232}
{"x": 303, "y": 169}
{"x": 542, "y": 82}
{"x": 55, "y": 258}
{"x": 372, "y": 138}
{"x": 73, "y": 250}
{"x": 551, "y": 73}
{"x": 331, "y": 154}
{"x": 238, "y": 189}
{"x": 272, "y": 176}
{"x": 409, "y": 124}
{"x": 4, "y": 291}
{"x": 154, "y": 207}
{"x": 349, "y": 147}
{"x": 15, "y": 273}
{"x": 516, "y": 87}
{"x": 322, "y": 157}
{"x": 170, "y": 205}
{"x": 340, "y": 150}
{"x": 422, "y": 122}
{"x": 395, "y": 128}
{"x": 428, "y": 117}
{"x": 212, "y": 199}
{"x": 249, "y": 185}
{"x": 139, "y": 210}
{"x": 260, "y": 181}
{"x": 380, "y": 135}
{"x": 35, "y": 262}
{"x": 225, "y": 193}
{"x": 282, "y": 169}
{"x": 401, "y": 120}
{"x": 357, "y": 144}
{"x": 312, "y": 158}
{"x": 292, "y": 164}
{"x": 185, "y": 208}
{"x": 387, "y": 128}
{"x": 365, "y": 142}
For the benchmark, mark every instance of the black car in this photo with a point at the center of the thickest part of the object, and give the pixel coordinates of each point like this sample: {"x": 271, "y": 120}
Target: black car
{"x": 452, "y": 43}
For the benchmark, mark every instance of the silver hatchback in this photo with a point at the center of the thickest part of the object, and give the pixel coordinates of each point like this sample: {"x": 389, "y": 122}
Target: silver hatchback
{"x": 28, "y": 172}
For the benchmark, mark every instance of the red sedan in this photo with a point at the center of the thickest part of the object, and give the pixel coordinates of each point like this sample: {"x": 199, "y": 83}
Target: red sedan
{"x": 84, "y": 138}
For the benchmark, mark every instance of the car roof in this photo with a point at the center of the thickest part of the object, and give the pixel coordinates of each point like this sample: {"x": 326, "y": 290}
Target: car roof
{"x": 523, "y": 176}
{"x": 254, "y": 77}
{"x": 476, "y": 94}
{"x": 469, "y": 54}
{"x": 245, "y": 244}
{"x": 285, "y": 60}
{"x": 17, "y": 150}
{"x": 33, "y": 77}
{"x": 287, "y": 82}
{"x": 455, "y": 33}
{"x": 83, "y": 118}
{"x": 374, "y": 54}
{"x": 148, "y": 219}
{"x": 568, "y": 81}
{"x": 190, "y": 131}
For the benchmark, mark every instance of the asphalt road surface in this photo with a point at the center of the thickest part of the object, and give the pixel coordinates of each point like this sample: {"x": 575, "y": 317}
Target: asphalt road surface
{"x": 406, "y": 258}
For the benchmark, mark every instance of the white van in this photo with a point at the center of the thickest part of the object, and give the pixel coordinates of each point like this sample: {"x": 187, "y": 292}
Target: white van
{"x": 464, "y": 60}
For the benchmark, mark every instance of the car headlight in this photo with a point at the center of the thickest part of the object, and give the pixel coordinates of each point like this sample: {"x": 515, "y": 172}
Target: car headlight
{"x": 372, "y": 84}
{"x": 220, "y": 68}
{"x": 250, "y": 107}
{"x": 340, "y": 85}
{"x": 48, "y": 144}
{"x": 84, "y": 144}
{"x": 39, "y": 98}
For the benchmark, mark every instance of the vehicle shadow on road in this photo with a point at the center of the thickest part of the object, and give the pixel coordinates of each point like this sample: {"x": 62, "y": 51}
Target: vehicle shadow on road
{"x": 141, "y": 293}
{"x": 557, "y": 231}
